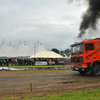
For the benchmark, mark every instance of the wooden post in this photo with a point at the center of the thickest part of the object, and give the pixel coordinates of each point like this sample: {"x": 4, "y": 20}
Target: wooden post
{"x": 30, "y": 89}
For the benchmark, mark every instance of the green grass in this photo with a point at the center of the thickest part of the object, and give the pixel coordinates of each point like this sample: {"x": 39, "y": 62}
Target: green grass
{"x": 36, "y": 66}
{"x": 84, "y": 95}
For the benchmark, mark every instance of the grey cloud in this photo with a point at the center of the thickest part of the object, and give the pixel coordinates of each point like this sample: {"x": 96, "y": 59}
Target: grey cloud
{"x": 33, "y": 20}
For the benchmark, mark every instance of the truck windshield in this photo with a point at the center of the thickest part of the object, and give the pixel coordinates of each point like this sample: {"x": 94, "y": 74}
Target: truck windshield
{"x": 77, "y": 49}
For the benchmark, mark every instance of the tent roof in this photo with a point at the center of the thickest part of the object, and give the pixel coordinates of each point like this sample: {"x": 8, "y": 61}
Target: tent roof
{"x": 20, "y": 50}
{"x": 46, "y": 54}
{"x": 4, "y": 49}
{"x": 38, "y": 47}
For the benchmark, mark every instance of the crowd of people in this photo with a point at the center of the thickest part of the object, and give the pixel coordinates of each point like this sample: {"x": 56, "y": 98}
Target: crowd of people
{"x": 24, "y": 61}
{"x": 17, "y": 62}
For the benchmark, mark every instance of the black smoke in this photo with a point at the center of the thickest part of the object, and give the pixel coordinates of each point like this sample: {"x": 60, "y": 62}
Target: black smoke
{"x": 91, "y": 17}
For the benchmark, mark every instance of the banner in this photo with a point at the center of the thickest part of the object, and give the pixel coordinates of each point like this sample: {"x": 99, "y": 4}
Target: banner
{"x": 41, "y": 63}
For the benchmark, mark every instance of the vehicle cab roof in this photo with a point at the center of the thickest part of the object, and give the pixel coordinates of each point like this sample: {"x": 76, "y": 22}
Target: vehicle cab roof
{"x": 87, "y": 41}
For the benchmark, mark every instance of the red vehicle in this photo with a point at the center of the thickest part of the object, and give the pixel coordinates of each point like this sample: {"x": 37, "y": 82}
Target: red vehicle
{"x": 85, "y": 56}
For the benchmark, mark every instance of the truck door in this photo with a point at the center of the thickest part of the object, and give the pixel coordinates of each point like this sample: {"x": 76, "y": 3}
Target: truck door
{"x": 90, "y": 52}
{"x": 97, "y": 49}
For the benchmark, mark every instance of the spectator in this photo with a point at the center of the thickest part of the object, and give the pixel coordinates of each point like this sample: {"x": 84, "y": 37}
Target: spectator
{"x": 18, "y": 61}
{"x": 22, "y": 60}
{"x": 27, "y": 62}
{"x": 15, "y": 61}
{"x": 32, "y": 62}
{"x": 48, "y": 61}
{"x": 7, "y": 62}
{"x": 12, "y": 61}
{"x": 4, "y": 62}
{"x": 56, "y": 62}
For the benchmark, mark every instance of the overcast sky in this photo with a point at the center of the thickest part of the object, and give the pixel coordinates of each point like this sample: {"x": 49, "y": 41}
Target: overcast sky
{"x": 55, "y": 23}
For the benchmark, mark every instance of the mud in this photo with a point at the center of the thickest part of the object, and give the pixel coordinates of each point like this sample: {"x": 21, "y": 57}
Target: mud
{"x": 45, "y": 82}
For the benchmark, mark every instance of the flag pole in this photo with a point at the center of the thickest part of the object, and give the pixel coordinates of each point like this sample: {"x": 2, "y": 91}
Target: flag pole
{"x": 34, "y": 53}
{"x": 34, "y": 50}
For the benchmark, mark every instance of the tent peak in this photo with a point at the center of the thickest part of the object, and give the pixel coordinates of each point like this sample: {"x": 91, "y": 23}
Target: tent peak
{"x": 10, "y": 43}
{"x": 20, "y": 41}
{"x": 3, "y": 41}
{"x": 24, "y": 43}
{"x": 41, "y": 43}
{"x": 38, "y": 41}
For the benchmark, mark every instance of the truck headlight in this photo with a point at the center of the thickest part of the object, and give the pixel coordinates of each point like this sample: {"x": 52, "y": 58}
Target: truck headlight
{"x": 72, "y": 66}
{"x": 82, "y": 65}
{"x": 85, "y": 66}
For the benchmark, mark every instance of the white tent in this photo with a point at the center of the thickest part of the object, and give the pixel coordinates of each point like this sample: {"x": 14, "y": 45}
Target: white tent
{"x": 38, "y": 47}
{"x": 46, "y": 54}
{"x": 4, "y": 49}
{"x": 9, "y": 48}
{"x": 20, "y": 50}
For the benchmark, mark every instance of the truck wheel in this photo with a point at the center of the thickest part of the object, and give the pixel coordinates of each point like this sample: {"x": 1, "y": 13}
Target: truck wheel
{"x": 95, "y": 70}
{"x": 83, "y": 72}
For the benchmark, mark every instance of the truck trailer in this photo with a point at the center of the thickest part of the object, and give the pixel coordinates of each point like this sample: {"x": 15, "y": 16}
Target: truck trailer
{"x": 85, "y": 56}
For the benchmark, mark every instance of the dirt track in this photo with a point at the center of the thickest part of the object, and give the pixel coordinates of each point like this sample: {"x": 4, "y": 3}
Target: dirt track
{"x": 44, "y": 82}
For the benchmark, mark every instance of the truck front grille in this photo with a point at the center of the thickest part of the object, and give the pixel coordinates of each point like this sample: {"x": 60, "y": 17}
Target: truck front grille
{"x": 77, "y": 59}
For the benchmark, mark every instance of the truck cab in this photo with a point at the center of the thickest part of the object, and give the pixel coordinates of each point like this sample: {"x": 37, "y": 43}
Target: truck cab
{"x": 85, "y": 56}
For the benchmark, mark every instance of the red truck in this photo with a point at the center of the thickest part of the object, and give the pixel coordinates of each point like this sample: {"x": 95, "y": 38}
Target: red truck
{"x": 85, "y": 56}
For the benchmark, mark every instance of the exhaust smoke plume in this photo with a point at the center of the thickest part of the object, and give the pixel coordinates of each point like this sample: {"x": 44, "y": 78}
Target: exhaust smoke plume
{"x": 90, "y": 17}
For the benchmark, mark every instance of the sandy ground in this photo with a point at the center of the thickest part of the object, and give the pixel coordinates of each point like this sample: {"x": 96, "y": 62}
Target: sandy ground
{"x": 45, "y": 82}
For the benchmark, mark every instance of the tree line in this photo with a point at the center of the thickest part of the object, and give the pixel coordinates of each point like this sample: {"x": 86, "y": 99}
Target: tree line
{"x": 64, "y": 53}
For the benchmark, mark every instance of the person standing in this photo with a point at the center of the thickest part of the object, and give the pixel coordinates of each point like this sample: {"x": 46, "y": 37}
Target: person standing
{"x": 7, "y": 62}
{"x": 15, "y": 61}
{"x": 32, "y": 62}
{"x": 18, "y": 61}
{"x": 4, "y": 62}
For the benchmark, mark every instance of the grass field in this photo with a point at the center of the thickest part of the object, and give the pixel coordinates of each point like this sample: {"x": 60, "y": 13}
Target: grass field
{"x": 84, "y": 95}
{"x": 37, "y": 66}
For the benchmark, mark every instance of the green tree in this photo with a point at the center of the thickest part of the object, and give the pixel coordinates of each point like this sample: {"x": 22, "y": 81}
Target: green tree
{"x": 62, "y": 53}
{"x": 68, "y": 52}
{"x": 55, "y": 50}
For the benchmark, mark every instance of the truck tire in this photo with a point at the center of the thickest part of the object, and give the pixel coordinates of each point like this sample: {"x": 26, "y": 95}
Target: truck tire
{"x": 95, "y": 70}
{"x": 83, "y": 72}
